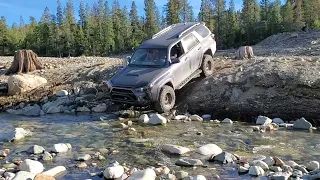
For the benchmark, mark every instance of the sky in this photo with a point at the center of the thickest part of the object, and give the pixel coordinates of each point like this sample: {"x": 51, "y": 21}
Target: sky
{"x": 13, "y": 9}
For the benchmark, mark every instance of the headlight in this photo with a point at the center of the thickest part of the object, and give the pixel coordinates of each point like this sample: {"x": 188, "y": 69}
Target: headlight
{"x": 143, "y": 89}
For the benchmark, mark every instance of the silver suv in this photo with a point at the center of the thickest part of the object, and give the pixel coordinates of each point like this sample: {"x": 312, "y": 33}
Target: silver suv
{"x": 163, "y": 64}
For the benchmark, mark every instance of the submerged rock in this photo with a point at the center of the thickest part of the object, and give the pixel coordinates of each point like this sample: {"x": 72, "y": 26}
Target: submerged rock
{"x": 189, "y": 162}
{"x": 302, "y": 124}
{"x": 209, "y": 150}
{"x": 47, "y": 156}
{"x": 18, "y": 134}
{"x": 85, "y": 157}
{"x": 36, "y": 149}
{"x": 174, "y": 149}
{"x": 61, "y": 147}
{"x": 32, "y": 166}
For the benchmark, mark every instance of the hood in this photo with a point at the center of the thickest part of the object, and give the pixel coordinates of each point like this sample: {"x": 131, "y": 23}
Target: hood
{"x": 135, "y": 76}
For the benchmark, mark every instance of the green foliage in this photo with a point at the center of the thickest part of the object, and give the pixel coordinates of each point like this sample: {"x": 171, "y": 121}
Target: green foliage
{"x": 97, "y": 30}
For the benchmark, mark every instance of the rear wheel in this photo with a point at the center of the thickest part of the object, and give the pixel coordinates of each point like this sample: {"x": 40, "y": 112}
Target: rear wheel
{"x": 207, "y": 65}
{"x": 166, "y": 100}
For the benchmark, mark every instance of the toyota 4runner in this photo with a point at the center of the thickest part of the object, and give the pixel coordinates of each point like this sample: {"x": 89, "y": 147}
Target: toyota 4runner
{"x": 163, "y": 64}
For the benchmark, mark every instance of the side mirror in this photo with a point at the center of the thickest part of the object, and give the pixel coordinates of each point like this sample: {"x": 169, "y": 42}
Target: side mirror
{"x": 175, "y": 60}
{"x": 128, "y": 59}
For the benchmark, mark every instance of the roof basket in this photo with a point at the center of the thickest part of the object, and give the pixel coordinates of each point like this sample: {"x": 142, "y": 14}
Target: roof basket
{"x": 188, "y": 29}
{"x": 163, "y": 31}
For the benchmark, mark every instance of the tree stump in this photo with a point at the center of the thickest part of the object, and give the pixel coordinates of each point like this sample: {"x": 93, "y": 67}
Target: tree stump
{"x": 244, "y": 52}
{"x": 24, "y": 61}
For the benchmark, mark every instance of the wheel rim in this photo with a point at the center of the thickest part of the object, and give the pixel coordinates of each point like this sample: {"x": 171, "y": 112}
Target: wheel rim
{"x": 208, "y": 66}
{"x": 168, "y": 99}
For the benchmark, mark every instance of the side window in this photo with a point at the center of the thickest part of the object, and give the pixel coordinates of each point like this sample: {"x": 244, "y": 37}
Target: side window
{"x": 202, "y": 31}
{"x": 190, "y": 41}
{"x": 176, "y": 51}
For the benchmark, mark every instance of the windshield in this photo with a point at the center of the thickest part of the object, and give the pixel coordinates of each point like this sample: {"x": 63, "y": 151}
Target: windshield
{"x": 149, "y": 57}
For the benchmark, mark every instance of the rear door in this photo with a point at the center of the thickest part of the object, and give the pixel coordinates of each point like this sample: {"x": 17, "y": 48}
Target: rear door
{"x": 193, "y": 48}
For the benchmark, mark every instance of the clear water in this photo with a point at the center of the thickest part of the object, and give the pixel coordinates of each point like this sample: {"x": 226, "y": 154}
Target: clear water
{"x": 88, "y": 134}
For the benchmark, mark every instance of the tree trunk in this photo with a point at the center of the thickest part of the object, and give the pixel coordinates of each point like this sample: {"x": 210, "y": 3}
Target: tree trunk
{"x": 24, "y": 61}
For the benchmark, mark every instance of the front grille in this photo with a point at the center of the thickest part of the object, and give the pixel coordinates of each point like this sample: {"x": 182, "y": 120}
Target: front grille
{"x": 123, "y": 95}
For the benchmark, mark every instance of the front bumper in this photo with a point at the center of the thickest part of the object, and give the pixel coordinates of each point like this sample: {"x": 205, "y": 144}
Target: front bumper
{"x": 130, "y": 96}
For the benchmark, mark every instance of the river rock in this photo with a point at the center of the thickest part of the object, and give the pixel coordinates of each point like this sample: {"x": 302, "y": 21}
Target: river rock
{"x": 35, "y": 149}
{"x": 55, "y": 106}
{"x": 209, "y": 150}
{"x": 189, "y": 162}
{"x": 242, "y": 169}
{"x": 224, "y": 158}
{"x": 278, "y": 161}
{"x": 147, "y": 174}
{"x": 261, "y": 164}
{"x": 256, "y": 171}
{"x": 162, "y": 170}
{"x": 263, "y": 120}
{"x": 82, "y": 165}
{"x": 227, "y": 121}
{"x": 302, "y": 124}
{"x": 276, "y": 169}
{"x": 19, "y": 133}
{"x": 24, "y": 175}
{"x": 313, "y": 165}
{"x": 291, "y": 164}
{"x": 9, "y": 175}
{"x": 196, "y": 118}
{"x": 277, "y": 121}
{"x": 43, "y": 177}
{"x": 174, "y": 149}
{"x": 83, "y": 109}
{"x": 60, "y": 148}
{"x": 62, "y": 93}
{"x": 198, "y": 177}
{"x": 181, "y": 175}
{"x": 280, "y": 176}
{"x": 144, "y": 118}
{"x": 114, "y": 171}
{"x": 206, "y": 117}
{"x": 21, "y": 83}
{"x": 29, "y": 110}
{"x": 157, "y": 119}
{"x": 2, "y": 171}
{"x": 180, "y": 117}
{"x": 32, "y": 166}
{"x": 286, "y": 168}
{"x": 54, "y": 109}
{"x": 269, "y": 161}
{"x": 85, "y": 157}
{"x": 55, "y": 171}
{"x": 100, "y": 108}
{"x": 47, "y": 156}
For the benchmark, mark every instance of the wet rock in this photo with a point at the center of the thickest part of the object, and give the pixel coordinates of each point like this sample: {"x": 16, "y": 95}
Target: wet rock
{"x": 269, "y": 161}
{"x": 85, "y": 157}
{"x": 18, "y": 134}
{"x": 277, "y": 121}
{"x": 100, "y": 108}
{"x": 280, "y": 176}
{"x": 82, "y": 165}
{"x": 147, "y": 174}
{"x": 262, "y": 120}
{"x": 47, "y": 156}
{"x": 256, "y": 171}
{"x": 209, "y": 150}
{"x": 32, "y": 166}
{"x": 181, "y": 175}
{"x": 198, "y": 177}
{"x": 302, "y": 124}
{"x": 29, "y": 110}
{"x": 261, "y": 164}
{"x": 242, "y": 169}
{"x": 227, "y": 121}
{"x": 278, "y": 161}
{"x": 36, "y": 149}
{"x": 224, "y": 158}
{"x": 24, "y": 175}
{"x": 54, "y": 109}
{"x": 174, "y": 149}
{"x": 62, "y": 93}
{"x": 83, "y": 109}
{"x": 8, "y": 175}
{"x": 43, "y": 177}
{"x": 313, "y": 165}
{"x": 55, "y": 106}
{"x": 61, "y": 147}
{"x": 189, "y": 162}
{"x": 114, "y": 171}
{"x": 292, "y": 164}
{"x": 275, "y": 169}
{"x": 55, "y": 171}
{"x": 157, "y": 119}
{"x": 196, "y": 118}
{"x": 144, "y": 119}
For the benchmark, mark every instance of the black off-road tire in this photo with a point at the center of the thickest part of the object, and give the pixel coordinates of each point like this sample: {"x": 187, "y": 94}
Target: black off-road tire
{"x": 166, "y": 100}
{"x": 207, "y": 65}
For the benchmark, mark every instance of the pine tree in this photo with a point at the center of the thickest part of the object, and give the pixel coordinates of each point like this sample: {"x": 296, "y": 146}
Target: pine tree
{"x": 206, "y": 14}
{"x": 151, "y": 25}
{"x": 117, "y": 24}
{"x": 220, "y": 16}
{"x": 108, "y": 30}
{"x": 69, "y": 28}
{"x": 173, "y": 8}
{"x": 232, "y": 26}
{"x": 288, "y": 16}
{"x": 275, "y": 17}
{"x": 3, "y": 35}
{"x": 59, "y": 13}
{"x": 82, "y": 15}
{"x": 136, "y": 29}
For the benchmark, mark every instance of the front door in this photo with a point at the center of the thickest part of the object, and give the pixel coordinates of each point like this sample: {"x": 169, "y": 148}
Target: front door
{"x": 193, "y": 48}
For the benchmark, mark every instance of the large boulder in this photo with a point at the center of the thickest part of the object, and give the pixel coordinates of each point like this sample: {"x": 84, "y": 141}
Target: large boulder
{"x": 24, "y": 175}
{"x": 275, "y": 87}
{"x": 21, "y": 83}
{"x": 29, "y": 110}
{"x": 302, "y": 124}
{"x": 18, "y": 134}
{"x": 32, "y": 166}
{"x": 114, "y": 171}
{"x": 209, "y": 150}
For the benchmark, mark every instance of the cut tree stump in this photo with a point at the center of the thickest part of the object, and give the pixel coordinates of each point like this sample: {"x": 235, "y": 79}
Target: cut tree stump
{"x": 24, "y": 61}
{"x": 244, "y": 52}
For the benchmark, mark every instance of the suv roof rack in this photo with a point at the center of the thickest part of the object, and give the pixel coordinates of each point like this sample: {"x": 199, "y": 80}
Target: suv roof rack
{"x": 163, "y": 31}
{"x": 188, "y": 29}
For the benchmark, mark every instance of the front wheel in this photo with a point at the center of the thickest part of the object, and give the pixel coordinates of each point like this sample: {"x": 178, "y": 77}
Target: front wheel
{"x": 207, "y": 65}
{"x": 166, "y": 100}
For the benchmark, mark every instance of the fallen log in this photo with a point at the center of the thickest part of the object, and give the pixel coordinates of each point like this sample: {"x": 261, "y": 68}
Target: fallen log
{"x": 24, "y": 61}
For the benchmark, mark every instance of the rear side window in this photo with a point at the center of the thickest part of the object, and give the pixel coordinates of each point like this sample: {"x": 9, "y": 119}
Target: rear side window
{"x": 202, "y": 31}
{"x": 190, "y": 41}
